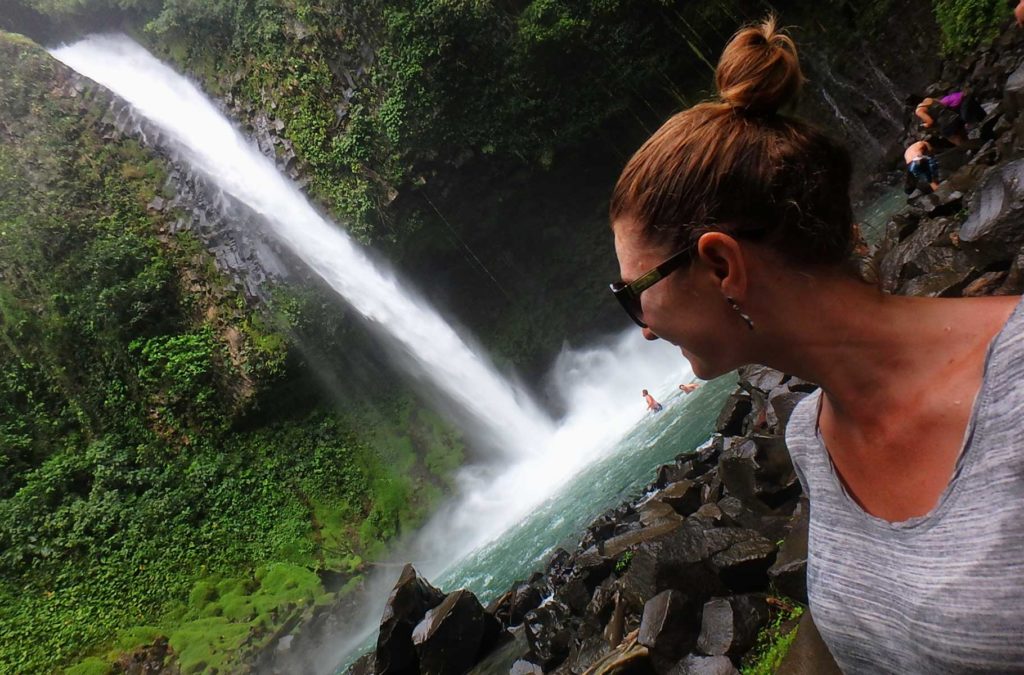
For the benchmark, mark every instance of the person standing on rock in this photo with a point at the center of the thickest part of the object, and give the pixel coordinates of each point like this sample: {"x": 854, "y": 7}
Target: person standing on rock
{"x": 733, "y": 230}
{"x": 921, "y": 164}
{"x": 937, "y": 116}
{"x": 652, "y": 405}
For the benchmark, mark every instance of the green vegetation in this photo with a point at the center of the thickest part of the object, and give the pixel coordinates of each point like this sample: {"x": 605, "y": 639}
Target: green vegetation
{"x": 966, "y": 23}
{"x": 151, "y": 482}
{"x": 622, "y": 564}
{"x": 449, "y": 82}
{"x": 773, "y": 641}
{"x": 452, "y": 134}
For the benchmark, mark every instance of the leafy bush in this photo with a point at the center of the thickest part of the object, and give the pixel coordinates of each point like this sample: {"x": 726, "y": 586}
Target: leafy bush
{"x": 180, "y": 370}
{"x": 965, "y": 23}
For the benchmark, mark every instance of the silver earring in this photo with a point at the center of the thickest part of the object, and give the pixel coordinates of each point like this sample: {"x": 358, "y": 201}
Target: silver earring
{"x": 735, "y": 305}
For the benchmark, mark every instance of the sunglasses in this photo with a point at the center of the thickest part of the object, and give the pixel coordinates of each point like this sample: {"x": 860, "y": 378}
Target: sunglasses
{"x": 628, "y": 295}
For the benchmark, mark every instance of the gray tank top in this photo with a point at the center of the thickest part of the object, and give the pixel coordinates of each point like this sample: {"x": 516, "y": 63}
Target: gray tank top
{"x": 941, "y": 593}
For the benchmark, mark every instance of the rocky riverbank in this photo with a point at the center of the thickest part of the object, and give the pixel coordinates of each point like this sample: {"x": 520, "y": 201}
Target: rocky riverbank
{"x": 684, "y": 578}
{"x": 688, "y": 573}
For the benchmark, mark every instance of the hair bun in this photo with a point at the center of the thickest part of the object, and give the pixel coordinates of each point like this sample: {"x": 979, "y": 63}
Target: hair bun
{"x": 759, "y": 71}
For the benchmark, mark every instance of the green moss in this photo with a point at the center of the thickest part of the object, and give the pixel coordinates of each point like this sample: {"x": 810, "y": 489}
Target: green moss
{"x": 237, "y": 608}
{"x": 135, "y": 637}
{"x": 289, "y": 582}
{"x": 205, "y": 644}
{"x": 773, "y": 643}
{"x": 91, "y": 666}
{"x": 338, "y": 538}
{"x": 202, "y": 594}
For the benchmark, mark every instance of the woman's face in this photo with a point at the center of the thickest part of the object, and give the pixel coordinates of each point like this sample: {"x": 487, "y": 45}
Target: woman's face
{"x": 685, "y": 308}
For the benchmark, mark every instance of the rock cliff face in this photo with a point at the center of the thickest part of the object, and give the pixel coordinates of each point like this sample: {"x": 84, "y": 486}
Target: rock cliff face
{"x": 179, "y": 205}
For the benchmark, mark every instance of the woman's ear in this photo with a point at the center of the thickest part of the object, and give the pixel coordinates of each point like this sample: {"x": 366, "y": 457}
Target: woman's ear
{"x": 723, "y": 257}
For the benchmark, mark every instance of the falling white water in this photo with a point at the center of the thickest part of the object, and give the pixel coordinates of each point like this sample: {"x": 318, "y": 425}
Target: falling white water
{"x": 599, "y": 387}
{"x": 506, "y": 417}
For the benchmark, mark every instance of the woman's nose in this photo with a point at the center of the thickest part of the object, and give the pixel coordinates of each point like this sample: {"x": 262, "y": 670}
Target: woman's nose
{"x": 648, "y": 334}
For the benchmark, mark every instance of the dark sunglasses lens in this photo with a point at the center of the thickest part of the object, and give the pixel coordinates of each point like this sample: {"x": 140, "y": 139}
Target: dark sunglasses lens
{"x": 630, "y": 303}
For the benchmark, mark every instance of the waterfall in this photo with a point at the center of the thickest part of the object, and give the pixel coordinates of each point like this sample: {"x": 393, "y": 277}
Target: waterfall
{"x": 496, "y": 413}
{"x": 854, "y": 125}
{"x": 887, "y": 112}
{"x": 599, "y": 386}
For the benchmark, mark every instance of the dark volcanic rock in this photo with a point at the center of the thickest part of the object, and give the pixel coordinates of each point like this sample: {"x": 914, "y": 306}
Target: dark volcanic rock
{"x": 895, "y": 267}
{"x": 656, "y": 512}
{"x": 738, "y": 468}
{"x": 616, "y": 546}
{"x": 744, "y": 565}
{"x": 560, "y": 565}
{"x": 1014, "y": 282}
{"x": 683, "y": 496}
{"x": 993, "y": 226}
{"x": 1013, "y": 93}
{"x": 669, "y": 625}
{"x": 523, "y": 667}
{"x": 789, "y": 572}
{"x": 453, "y": 636}
{"x": 775, "y": 475}
{"x": 937, "y": 259}
{"x": 695, "y": 664}
{"x": 629, "y": 658}
{"x": 510, "y": 608}
{"x": 783, "y": 405}
{"x": 575, "y": 595}
{"x": 549, "y": 631}
{"x": 148, "y": 660}
{"x": 762, "y": 377}
{"x": 670, "y": 473}
{"x": 710, "y": 487}
{"x": 674, "y": 560}
{"x": 409, "y": 601}
{"x": 710, "y": 511}
{"x": 942, "y": 202}
{"x": 729, "y": 626}
{"x": 592, "y": 648}
{"x": 608, "y": 524}
{"x": 593, "y": 567}
{"x": 942, "y": 283}
{"x": 987, "y": 284}
{"x": 730, "y": 421}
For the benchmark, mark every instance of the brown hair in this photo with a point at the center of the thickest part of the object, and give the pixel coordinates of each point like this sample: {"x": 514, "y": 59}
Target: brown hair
{"x": 738, "y": 166}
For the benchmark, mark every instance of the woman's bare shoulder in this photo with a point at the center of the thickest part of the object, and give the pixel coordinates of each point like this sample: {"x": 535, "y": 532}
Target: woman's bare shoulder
{"x": 982, "y": 317}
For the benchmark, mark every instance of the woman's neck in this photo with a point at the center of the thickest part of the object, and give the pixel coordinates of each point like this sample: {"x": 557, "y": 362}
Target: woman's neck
{"x": 870, "y": 352}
